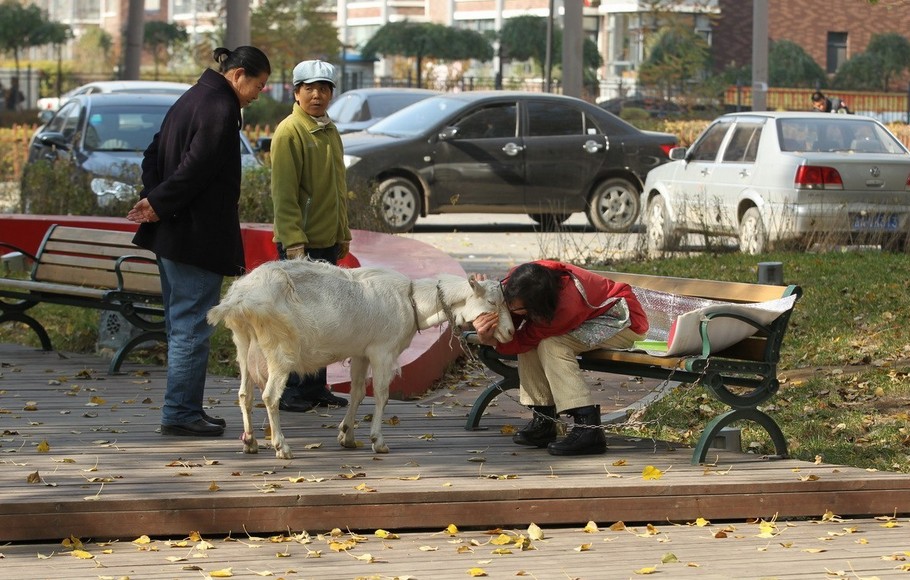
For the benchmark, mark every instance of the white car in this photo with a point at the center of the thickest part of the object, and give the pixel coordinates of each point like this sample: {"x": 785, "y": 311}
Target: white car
{"x": 768, "y": 177}
{"x": 147, "y": 87}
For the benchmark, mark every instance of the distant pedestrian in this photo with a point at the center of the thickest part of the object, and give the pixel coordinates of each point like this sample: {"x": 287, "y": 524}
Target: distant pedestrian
{"x": 825, "y": 104}
{"x": 14, "y": 97}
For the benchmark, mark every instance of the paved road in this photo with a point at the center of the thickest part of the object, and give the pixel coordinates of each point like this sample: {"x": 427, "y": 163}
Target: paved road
{"x": 493, "y": 243}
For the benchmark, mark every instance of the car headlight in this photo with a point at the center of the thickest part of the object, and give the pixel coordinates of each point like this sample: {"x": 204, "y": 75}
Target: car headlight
{"x": 109, "y": 190}
{"x": 350, "y": 161}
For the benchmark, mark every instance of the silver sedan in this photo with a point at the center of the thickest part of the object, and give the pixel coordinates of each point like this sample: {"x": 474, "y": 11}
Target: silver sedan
{"x": 773, "y": 177}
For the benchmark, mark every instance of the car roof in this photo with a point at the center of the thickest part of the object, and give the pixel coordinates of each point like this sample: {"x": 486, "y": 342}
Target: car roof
{"x": 492, "y": 94}
{"x": 795, "y": 115}
{"x": 115, "y": 86}
{"x": 385, "y": 90}
{"x": 113, "y": 99}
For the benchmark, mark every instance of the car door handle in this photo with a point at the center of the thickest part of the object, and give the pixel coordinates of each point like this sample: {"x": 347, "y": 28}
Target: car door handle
{"x": 744, "y": 173}
{"x": 592, "y": 146}
{"x": 512, "y": 149}
{"x": 705, "y": 172}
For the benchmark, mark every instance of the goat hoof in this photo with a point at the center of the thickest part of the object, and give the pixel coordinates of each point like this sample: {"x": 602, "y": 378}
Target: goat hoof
{"x": 249, "y": 443}
{"x": 284, "y": 453}
{"x": 380, "y": 448}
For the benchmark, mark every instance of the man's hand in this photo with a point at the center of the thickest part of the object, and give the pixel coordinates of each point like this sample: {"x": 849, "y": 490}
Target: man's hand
{"x": 485, "y": 325}
{"x": 294, "y": 252}
{"x": 142, "y": 212}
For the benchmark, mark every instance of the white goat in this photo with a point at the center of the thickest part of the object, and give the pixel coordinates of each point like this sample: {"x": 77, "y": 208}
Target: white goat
{"x": 298, "y": 316}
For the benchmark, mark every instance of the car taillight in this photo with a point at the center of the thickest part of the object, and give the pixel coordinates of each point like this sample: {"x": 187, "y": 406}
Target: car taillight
{"x": 818, "y": 177}
{"x": 666, "y": 148}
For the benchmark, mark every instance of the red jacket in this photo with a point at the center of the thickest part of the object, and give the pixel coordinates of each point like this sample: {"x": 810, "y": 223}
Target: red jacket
{"x": 572, "y": 310}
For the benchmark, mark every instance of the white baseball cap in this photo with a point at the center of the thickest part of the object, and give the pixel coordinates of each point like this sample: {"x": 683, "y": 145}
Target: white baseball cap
{"x": 311, "y": 71}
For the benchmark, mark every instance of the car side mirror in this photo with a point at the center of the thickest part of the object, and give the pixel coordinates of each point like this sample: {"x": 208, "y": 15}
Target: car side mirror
{"x": 54, "y": 139}
{"x": 448, "y": 133}
{"x": 263, "y": 145}
{"x": 678, "y": 153}
{"x": 45, "y": 116}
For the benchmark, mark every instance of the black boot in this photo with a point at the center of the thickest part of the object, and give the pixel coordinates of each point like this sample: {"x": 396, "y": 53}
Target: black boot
{"x": 541, "y": 430}
{"x": 586, "y": 436}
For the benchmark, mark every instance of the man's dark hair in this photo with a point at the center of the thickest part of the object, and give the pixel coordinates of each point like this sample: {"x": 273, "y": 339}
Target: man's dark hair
{"x": 537, "y": 287}
{"x": 818, "y": 97}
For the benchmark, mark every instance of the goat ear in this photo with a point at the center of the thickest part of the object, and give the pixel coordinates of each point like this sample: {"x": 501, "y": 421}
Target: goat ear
{"x": 472, "y": 280}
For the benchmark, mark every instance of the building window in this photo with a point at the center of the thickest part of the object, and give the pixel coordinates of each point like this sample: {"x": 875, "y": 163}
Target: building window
{"x": 837, "y": 51}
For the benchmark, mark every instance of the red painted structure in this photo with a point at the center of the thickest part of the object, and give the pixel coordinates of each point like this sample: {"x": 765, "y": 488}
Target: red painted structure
{"x": 431, "y": 351}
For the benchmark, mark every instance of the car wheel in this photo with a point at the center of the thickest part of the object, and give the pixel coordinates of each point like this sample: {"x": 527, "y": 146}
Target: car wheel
{"x": 661, "y": 236}
{"x": 549, "y": 221}
{"x": 399, "y": 204}
{"x": 752, "y": 237}
{"x": 614, "y": 206}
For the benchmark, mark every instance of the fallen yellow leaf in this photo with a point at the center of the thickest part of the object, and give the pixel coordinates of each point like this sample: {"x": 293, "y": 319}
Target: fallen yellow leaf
{"x": 651, "y": 472}
{"x": 475, "y": 572}
{"x": 223, "y": 573}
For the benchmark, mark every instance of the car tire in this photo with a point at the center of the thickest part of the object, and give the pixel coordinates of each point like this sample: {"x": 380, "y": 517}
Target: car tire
{"x": 660, "y": 236}
{"x": 614, "y": 206}
{"x": 399, "y": 204}
{"x": 753, "y": 239}
{"x": 549, "y": 221}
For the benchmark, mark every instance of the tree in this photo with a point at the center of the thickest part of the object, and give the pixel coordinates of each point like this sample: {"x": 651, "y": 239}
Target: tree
{"x": 677, "y": 54}
{"x": 160, "y": 37}
{"x": 791, "y": 66}
{"x": 94, "y": 50}
{"x": 289, "y": 31}
{"x": 893, "y": 54}
{"x": 420, "y": 40}
{"x": 20, "y": 27}
{"x": 861, "y": 73}
{"x": 56, "y": 34}
{"x": 525, "y": 38}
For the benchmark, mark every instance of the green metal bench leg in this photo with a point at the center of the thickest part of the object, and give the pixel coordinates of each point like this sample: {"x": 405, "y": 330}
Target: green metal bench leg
{"x": 31, "y": 323}
{"x": 721, "y": 421}
{"x": 124, "y": 350}
{"x": 485, "y": 398}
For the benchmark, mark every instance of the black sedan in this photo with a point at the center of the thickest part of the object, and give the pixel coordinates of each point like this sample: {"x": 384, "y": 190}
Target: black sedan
{"x": 505, "y": 152}
{"x": 105, "y": 135}
{"x": 360, "y": 109}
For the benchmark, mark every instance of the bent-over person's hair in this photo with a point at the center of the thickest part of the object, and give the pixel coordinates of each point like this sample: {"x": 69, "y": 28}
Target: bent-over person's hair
{"x": 249, "y": 58}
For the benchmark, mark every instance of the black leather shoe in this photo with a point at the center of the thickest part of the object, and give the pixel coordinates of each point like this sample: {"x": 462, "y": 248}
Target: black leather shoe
{"x": 323, "y": 397}
{"x": 214, "y": 420}
{"x": 197, "y": 428}
{"x": 292, "y": 401}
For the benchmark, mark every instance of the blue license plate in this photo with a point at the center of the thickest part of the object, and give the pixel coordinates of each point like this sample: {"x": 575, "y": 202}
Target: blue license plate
{"x": 883, "y": 222}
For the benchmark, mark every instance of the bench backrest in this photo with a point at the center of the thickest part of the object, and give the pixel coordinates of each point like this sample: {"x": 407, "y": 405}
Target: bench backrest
{"x": 88, "y": 257}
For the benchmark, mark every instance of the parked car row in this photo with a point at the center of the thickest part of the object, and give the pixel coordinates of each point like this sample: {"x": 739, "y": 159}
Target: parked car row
{"x": 761, "y": 177}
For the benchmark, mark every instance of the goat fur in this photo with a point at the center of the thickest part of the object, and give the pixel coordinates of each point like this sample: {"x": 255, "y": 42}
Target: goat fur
{"x": 300, "y": 315}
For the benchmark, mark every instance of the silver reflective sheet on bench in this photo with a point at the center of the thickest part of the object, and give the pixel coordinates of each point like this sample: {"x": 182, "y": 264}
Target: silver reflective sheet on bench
{"x": 663, "y": 309}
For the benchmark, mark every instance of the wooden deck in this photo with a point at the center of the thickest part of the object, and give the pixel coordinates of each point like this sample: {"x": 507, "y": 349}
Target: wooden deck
{"x": 81, "y": 458}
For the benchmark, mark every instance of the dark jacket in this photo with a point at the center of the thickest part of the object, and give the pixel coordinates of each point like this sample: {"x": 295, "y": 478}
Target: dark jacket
{"x": 191, "y": 178}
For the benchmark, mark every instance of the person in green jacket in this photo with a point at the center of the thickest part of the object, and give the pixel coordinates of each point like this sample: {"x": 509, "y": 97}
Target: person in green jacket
{"x": 309, "y": 194}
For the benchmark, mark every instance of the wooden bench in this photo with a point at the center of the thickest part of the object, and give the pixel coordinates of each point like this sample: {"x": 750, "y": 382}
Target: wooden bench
{"x": 742, "y": 376}
{"x": 88, "y": 268}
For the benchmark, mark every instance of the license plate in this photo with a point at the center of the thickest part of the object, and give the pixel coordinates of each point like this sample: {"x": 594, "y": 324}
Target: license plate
{"x": 876, "y": 222}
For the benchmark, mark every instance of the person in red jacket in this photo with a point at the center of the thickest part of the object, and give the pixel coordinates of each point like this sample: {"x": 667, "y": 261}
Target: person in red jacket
{"x": 561, "y": 310}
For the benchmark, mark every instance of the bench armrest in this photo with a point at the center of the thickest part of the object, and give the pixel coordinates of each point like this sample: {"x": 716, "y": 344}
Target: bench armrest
{"x": 19, "y": 250}
{"x": 128, "y": 258}
{"x": 706, "y": 349}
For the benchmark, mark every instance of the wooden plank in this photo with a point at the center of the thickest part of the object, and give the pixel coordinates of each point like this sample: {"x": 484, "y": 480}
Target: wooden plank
{"x": 81, "y": 276}
{"x": 711, "y": 289}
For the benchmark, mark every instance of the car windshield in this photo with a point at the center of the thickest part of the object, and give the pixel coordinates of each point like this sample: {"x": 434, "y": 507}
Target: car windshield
{"x": 832, "y": 133}
{"x": 419, "y": 117}
{"x": 123, "y": 128}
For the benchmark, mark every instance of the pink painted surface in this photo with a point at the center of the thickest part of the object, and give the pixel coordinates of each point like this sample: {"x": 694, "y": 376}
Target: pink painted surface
{"x": 431, "y": 351}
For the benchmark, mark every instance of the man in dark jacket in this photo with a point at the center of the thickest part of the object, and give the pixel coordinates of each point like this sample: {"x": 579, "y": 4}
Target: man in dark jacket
{"x": 188, "y": 216}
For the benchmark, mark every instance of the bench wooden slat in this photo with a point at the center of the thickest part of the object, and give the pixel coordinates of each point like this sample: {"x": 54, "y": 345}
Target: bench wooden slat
{"x": 710, "y": 289}
{"x": 112, "y": 251}
{"x": 98, "y": 278}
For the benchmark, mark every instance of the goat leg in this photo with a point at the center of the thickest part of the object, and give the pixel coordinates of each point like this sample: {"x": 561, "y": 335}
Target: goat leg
{"x": 270, "y": 396}
{"x": 359, "y": 366}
